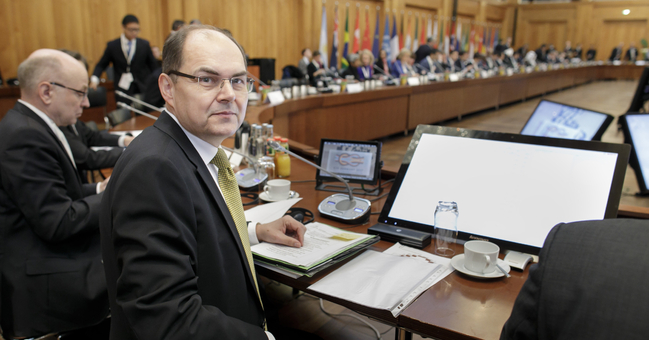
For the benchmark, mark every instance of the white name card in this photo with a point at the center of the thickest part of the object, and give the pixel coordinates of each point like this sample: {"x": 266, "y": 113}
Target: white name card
{"x": 413, "y": 81}
{"x": 453, "y": 77}
{"x": 354, "y": 88}
{"x": 274, "y": 97}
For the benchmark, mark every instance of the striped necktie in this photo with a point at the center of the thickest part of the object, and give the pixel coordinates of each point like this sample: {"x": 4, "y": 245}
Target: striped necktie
{"x": 230, "y": 190}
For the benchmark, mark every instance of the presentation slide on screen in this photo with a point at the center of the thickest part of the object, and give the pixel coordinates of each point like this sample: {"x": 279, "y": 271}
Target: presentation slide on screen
{"x": 639, "y": 128}
{"x": 561, "y": 121}
{"x": 352, "y": 161}
{"x": 510, "y": 191}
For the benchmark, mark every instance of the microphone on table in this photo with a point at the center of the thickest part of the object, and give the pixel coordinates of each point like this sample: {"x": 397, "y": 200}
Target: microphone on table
{"x": 126, "y": 106}
{"x": 421, "y": 68}
{"x": 339, "y": 207}
{"x": 122, "y": 94}
{"x": 248, "y": 178}
{"x": 385, "y": 74}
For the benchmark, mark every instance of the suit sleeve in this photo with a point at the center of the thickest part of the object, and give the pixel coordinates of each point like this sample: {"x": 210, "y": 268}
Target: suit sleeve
{"x": 84, "y": 156}
{"x": 154, "y": 240}
{"x": 523, "y": 323}
{"x": 150, "y": 59}
{"x": 33, "y": 177}
{"x": 103, "y": 63}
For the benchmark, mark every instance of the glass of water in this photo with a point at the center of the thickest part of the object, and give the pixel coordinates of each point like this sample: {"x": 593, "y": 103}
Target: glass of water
{"x": 445, "y": 232}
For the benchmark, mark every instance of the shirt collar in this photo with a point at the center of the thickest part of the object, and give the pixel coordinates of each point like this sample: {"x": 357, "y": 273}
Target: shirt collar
{"x": 206, "y": 150}
{"x": 123, "y": 39}
{"x": 43, "y": 116}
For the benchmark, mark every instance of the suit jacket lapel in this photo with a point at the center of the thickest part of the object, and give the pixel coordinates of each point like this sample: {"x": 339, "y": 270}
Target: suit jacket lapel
{"x": 170, "y": 127}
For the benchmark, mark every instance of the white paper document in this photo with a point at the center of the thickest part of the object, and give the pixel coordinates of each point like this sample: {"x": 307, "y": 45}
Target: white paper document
{"x": 320, "y": 242}
{"x": 390, "y": 280}
{"x": 270, "y": 212}
{"x": 134, "y": 133}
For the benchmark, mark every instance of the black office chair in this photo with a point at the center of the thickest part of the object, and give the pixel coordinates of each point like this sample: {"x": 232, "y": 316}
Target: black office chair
{"x": 291, "y": 71}
{"x": 92, "y": 125}
{"x": 118, "y": 116}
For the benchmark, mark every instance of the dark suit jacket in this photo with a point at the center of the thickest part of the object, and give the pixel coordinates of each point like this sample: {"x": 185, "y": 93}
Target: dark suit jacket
{"x": 439, "y": 68}
{"x": 311, "y": 69}
{"x": 422, "y": 52}
{"x": 590, "y": 54}
{"x": 86, "y": 158}
{"x": 590, "y": 283}
{"x": 50, "y": 260}
{"x": 616, "y": 54}
{"x": 142, "y": 65}
{"x": 174, "y": 262}
{"x": 627, "y": 55}
{"x": 350, "y": 71}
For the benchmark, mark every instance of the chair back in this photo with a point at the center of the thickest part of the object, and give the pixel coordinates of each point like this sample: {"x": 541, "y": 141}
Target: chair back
{"x": 119, "y": 116}
{"x": 97, "y": 98}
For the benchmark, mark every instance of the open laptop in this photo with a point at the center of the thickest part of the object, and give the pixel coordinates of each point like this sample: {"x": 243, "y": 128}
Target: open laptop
{"x": 510, "y": 189}
{"x": 551, "y": 119}
{"x": 636, "y": 133}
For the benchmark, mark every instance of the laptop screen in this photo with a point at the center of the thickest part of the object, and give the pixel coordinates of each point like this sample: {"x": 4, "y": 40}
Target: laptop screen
{"x": 510, "y": 189}
{"x": 557, "y": 120}
{"x": 636, "y": 131}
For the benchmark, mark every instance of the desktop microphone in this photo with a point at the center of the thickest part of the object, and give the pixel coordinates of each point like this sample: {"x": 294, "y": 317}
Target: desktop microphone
{"x": 390, "y": 77}
{"x": 126, "y": 106}
{"x": 339, "y": 207}
{"x": 256, "y": 79}
{"x": 122, "y": 94}
{"x": 248, "y": 178}
{"x": 421, "y": 68}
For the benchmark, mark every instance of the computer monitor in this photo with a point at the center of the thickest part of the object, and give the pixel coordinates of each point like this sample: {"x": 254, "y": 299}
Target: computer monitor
{"x": 510, "y": 189}
{"x": 641, "y": 93}
{"x": 551, "y": 119}
{"x": 636, "y": 133}
{"x": 355, "y": 161}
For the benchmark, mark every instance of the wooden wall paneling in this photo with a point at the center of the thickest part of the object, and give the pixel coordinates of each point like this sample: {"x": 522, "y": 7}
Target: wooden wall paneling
{"x": 612, "y": 32}
{"x": 468, "y": 8}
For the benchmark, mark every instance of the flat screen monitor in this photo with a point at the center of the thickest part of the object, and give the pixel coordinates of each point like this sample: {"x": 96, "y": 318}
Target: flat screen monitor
{"x": 510, "y": 189}
{"x": 557, "y": 120}
{"x": 641, "y": 94}
{"x": 636, "y": 133}
{"x": 355, "y": 161}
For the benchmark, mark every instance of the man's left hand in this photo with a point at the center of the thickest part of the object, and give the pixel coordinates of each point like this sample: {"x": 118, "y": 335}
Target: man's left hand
{"x": 286, "y": 231}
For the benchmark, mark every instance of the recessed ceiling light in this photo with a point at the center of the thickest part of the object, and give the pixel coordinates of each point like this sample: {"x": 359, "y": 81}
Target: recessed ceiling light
{"x": 626, "y": 11}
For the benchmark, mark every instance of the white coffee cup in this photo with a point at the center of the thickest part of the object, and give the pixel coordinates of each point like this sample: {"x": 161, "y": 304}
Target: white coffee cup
{"x": 480, "y": 256}
{"x": 277, "y": 189}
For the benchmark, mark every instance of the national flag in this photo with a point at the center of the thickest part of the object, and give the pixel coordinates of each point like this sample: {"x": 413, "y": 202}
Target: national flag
{"x": 422, "y": 35}
{"x": 375, "y": 43}
{"x": 495, "y": 38}
{"x": 323, "y": 37}
{"x": 432, "y": 32}
{"x": 465, "y": 37}
{"x": 458, "y": 36}
{"x": 357, "y": 33}
{"x": 408, "y": 42}
{"x": 488, "y": 38}
{"x": 472, "y": 42}
{"x": 415, "y": 41}
{"x": 366, "y": 35}
{"x": 401, "y": 36}
{"x": 479, "y": 36}
{"x": 343, "y": 61}
{"x": 334, "y": 48}
{"x": 386, "y": 34}
{"x": 447, "y": 42}
{"x": 394, "y": 41}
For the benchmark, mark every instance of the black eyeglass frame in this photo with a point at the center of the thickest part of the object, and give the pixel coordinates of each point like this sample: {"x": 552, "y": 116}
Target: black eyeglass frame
{"x": 249, "y": 84}
{"x": 83, "y": 93}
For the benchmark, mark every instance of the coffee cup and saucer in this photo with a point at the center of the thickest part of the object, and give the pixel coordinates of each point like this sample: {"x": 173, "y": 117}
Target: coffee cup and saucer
{"x": 277, "y": 190}
{"x": 480, "y": 260}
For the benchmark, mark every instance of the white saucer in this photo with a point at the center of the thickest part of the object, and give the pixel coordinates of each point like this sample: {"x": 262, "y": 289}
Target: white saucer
{"x": 458, "y": 263}
{"x": 264, "y": 197}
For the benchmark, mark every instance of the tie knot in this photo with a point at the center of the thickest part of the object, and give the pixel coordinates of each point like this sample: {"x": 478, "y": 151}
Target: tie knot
{"x": 221, "y": 160}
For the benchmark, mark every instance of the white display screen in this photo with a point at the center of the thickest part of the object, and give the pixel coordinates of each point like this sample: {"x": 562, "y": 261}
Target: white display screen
{"x": 510, "y": 191}
{"x": 353, "y": 161}
{"x": 563, "y": 121}
{"x": 638, "y": 126}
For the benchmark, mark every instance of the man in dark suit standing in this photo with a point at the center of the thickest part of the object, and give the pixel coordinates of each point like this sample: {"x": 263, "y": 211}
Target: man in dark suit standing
{"x": 424, "y": 50}
{"x": 131, "y": 57}
{"x": 616, "y": 54}
{"x": 590, "y": 283}
{"x": 50, "y": 260}
{"x": 176, "y": 250}
{"x": 632, "y": 53}
{"x": 81, "y": 138}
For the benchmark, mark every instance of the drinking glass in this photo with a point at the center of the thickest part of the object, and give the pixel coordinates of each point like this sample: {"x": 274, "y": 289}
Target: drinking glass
{"x": 445, "y": 230}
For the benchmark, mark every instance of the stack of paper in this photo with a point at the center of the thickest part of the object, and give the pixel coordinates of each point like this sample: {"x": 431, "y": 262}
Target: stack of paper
{"x": 323, "y": 246}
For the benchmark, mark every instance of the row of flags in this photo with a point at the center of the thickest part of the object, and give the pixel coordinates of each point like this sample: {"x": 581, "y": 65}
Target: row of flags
{"x": 459, "y": 36}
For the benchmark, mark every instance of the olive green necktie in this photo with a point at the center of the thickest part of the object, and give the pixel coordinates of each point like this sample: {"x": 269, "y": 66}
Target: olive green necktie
{"x": 230, "y": 190}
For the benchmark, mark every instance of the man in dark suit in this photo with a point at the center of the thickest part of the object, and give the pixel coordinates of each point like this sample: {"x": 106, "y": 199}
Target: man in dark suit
{"x": 431, "y": 62}
{"x": 632, "y": 53}
{"x": 590, "y": 283}
{"x": 541, "y": 54}
{"x": 176, "y": 250}
{"x": 81, "y": 138}
{"x": 131, "y": 57}
{"x": 424, "y": 50}
{"x": 50, "y": 260}
{"x": 616, "y": 53}
{"x": 591, "y": 53}
{"x": 315, "y": 70}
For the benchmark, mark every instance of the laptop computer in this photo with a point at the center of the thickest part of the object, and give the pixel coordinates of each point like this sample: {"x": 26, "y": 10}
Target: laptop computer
{"x": 636, "y": 132}
{"x": 510, "y": 189}
{"x": 551, "y": 119}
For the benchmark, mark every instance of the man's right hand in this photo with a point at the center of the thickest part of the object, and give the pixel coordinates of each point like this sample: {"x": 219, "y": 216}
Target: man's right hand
{"x": 103, "y": 184}
{"x": 93, "y": 85}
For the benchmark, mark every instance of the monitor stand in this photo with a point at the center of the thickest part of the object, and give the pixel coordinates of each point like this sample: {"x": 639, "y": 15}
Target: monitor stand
{"x": 373, "y": 191}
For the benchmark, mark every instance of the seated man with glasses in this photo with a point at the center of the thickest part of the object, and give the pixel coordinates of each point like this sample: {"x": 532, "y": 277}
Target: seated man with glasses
{"x": 50, "y": 259}
{"x": 177, "y": 249}
{"x": 132, "y": 60}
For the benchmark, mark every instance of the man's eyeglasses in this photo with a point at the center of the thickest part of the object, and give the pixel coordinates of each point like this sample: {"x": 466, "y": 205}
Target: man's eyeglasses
{"x": 241, "y": 85}
{"x": 80, "y": 94}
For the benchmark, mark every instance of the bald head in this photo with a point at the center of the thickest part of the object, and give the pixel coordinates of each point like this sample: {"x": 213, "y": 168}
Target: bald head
{"x": 45, "y": 65}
